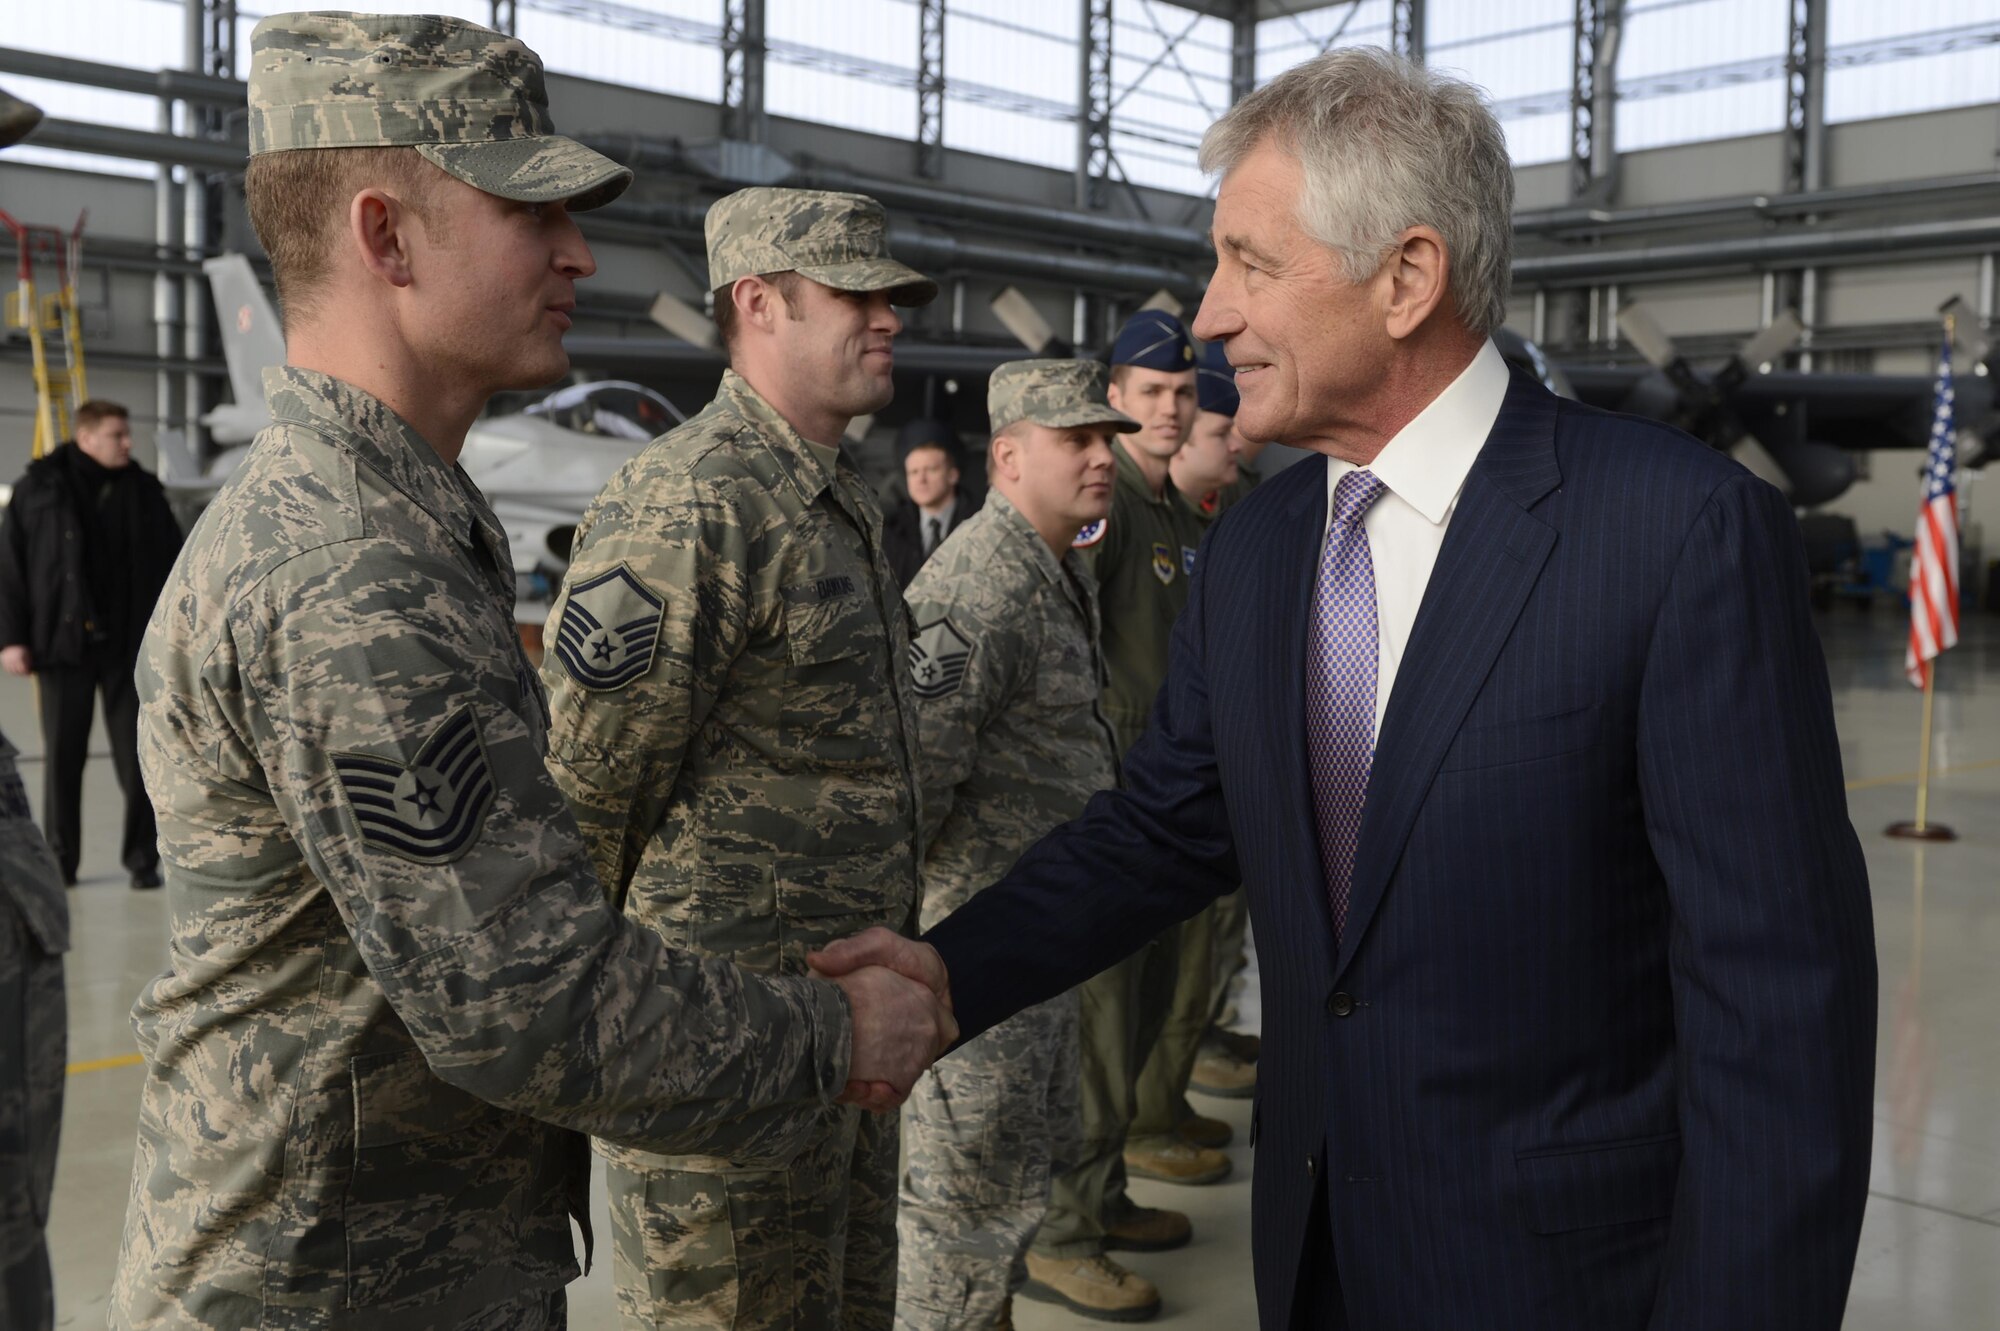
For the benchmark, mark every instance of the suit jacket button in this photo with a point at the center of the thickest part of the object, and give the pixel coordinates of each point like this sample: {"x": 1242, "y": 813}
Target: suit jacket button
{"x": 1312, "y": 1167}
{"x": 1340, "y": 1005}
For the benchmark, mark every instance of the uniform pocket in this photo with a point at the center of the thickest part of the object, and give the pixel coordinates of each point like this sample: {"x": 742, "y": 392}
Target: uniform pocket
{"x": 1609, "y": 1183}
{"x": 674, "y": 1246}
{"x": 841, "y": 625}
{"x": 439, "y": 1182}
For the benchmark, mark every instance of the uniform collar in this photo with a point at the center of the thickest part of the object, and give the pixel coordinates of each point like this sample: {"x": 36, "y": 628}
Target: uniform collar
{"x": 1426, "y": 462}
{"x": 1131, "y": 477}
{"x": 358, "y": 421}
{"x": 802, "y": 460}
{"x": 1018, "y": 526}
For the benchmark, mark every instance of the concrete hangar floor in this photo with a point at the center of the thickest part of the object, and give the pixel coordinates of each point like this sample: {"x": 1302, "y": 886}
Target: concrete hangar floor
{"x": 1930, "y": 1247}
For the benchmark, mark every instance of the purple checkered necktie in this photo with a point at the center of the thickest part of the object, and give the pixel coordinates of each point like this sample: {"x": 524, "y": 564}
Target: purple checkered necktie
{"x": 1342, "y": 656}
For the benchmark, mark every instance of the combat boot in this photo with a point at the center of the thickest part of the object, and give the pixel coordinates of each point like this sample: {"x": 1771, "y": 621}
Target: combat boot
{"x": 1094, "y": 1286}
{"x": 1220, "y": 1073}
{"x": 1204, "y": 1131}
{"x": 1148, "y": 1229}
{"x": 1175, "y": 1161}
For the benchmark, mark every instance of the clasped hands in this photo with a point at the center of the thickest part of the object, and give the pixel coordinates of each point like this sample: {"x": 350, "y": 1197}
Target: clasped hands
{"x": 900, "y": 998}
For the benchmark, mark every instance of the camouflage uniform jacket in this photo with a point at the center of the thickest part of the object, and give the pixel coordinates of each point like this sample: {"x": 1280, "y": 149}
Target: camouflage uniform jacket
{"x": 742, "y": 770}
{"x": 1142, "y": 559}
{"x": 1008, "y": 674}
{"x": 387, "y": 946}
{"x": 32, "y": 1039}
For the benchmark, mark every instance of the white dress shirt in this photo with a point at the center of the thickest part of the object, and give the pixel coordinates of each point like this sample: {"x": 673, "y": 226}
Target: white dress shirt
{"x": 1423, "y": 469}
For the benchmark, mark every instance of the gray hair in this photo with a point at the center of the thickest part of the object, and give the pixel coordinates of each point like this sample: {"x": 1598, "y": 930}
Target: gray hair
{"x": 1385, "y": 145}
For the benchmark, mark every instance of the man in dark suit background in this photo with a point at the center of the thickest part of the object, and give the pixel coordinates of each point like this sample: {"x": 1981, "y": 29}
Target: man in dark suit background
{"x": 1510, "y": 715}
{"x": 936, "y": 497}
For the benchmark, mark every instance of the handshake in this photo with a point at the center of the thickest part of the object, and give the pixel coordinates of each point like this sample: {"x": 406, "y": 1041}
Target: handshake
{"x": 900, "y": 998}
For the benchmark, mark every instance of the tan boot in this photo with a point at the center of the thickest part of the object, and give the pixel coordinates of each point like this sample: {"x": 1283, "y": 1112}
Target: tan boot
{"x": 1221, "y": 1073}
{"x": 1095, "y": 1286}
{"x": 1175, "y": 1161}
{"x": 1201, "y": 1130}
{"x": 1149, "y": 1229}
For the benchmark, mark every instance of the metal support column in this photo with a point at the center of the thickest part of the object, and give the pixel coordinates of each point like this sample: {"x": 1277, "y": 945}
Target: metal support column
{"x": 1243, "y": 51}
{"x": 1805, "y": 143}
{"x": 1593, "y": 159}
{"x": 930, "y": 89}
{"x": 1406, "y": 29}
{"x": 210, "y": 49}
{"x": 743, "y": 70}
{"x": 1093, "y": 107}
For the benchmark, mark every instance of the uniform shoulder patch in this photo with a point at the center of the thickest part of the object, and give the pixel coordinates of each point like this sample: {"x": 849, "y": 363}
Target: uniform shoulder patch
{"x": 431, "y": 811}
{"x": 1163, "y": 563}
{"x": 1187, "y": 560}
{"x": 610, "y": 629}
{"x": 1091, "y": 534}
{"x": 939, "y": 655}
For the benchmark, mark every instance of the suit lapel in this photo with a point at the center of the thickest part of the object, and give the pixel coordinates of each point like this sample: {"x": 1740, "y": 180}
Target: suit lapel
{"x": 1493, "y": 553}
{"x": 1296, "y": 568}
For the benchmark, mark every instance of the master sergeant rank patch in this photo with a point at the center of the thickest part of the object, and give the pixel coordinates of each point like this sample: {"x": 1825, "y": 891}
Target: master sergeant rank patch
{"x": 610, "y": 629}
{"x": 939, "y": 655}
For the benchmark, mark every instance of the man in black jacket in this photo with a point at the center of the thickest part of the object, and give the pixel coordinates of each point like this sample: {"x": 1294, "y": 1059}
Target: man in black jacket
{"x": 84, "y": 550}
{"x": 936, "y": 497}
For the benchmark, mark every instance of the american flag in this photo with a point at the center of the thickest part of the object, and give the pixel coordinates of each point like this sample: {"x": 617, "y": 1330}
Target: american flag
{"x": 1934, "y": 565}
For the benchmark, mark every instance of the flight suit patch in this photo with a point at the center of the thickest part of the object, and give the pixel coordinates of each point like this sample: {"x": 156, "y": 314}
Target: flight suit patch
{"x": 431, "y": 811}
{"x": 939, "y": 655}
{"x": 1163, "y": 563}
{"x": 1187, "y": 560}
{"x": 610, "y": 629}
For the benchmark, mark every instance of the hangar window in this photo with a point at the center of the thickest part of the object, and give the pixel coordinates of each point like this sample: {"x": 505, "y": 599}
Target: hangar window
{"x": 1916, "y": 55}
{"x": 1010, "y": 78}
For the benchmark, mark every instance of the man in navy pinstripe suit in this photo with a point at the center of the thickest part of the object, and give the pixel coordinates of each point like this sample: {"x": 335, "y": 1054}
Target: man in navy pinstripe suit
{"x": 1511, "y": 717}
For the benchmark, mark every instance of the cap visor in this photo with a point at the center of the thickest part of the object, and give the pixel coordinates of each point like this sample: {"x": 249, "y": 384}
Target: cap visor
{"x": 1115, "y": 421}
{"x": 544, "y": 169}
{"x": 905, "y": 285}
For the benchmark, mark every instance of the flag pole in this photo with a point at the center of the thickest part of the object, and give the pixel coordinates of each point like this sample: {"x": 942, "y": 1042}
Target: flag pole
{"x": 1923, "y": 829}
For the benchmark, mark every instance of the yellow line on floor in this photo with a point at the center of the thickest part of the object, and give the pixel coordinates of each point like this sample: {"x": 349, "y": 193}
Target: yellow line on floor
{"x": 1906, "y": 778}
{"x": 99, "y": 1064}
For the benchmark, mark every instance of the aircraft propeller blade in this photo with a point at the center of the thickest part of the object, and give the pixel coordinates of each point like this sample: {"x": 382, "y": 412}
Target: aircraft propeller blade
{"x": 1771, "y": 342}
{"x": 1019, "y": 316}
{"x": 1645, "y": 333}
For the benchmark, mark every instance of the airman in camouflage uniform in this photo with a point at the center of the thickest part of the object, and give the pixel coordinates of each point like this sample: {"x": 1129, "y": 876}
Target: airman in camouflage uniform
{"x": 1142, "y": 556}
{"x": 34, "y": 933}
{"x": 396, "y": 994}
{"x": 745, "y": 782}
{"x": 1007, "y": 672}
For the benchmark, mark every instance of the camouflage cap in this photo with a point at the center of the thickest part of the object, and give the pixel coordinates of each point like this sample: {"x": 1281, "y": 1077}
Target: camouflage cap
{"x": 470, "y": 99}
{"x": 1055, "y": 393}
{"x": 838, "y": 240}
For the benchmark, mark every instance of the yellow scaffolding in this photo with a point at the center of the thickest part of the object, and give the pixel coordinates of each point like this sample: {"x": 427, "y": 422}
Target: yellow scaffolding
{"x": 50, "y": 316}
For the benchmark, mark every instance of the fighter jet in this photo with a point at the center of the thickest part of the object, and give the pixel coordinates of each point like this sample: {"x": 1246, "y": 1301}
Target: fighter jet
{"x": 539, "y": 467}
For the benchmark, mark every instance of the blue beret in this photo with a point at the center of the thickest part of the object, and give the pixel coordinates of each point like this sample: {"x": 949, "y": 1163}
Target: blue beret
{"x": 1215, "y": 381}
{"x": 1153, "y": 340}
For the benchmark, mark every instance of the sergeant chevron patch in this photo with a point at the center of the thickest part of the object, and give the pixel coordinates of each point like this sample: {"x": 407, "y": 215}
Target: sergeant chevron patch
{"x": 938, "y": 658}
{"x": 431, "y": 811}
{"x": 610, "y": 628}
